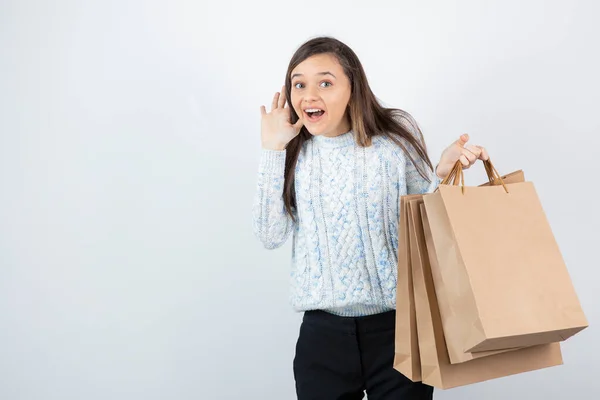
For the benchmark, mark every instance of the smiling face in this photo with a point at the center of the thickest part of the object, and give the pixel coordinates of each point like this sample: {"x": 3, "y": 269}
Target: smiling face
{"x": 320, "y": 95}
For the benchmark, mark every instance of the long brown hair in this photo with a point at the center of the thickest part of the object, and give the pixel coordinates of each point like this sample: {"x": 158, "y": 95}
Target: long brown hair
{"x": 367, "y": 117}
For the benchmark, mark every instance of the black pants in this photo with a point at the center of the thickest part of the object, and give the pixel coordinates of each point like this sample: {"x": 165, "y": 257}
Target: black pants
{"x": 338, "y": 358}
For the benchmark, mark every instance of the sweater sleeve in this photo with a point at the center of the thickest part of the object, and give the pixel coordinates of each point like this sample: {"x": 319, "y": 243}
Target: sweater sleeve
{"x": 415, "y": 182}
{"x": 271, "y": 223}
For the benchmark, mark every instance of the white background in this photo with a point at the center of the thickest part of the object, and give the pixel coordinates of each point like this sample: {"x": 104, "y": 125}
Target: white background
{"x": 129, "y": 144}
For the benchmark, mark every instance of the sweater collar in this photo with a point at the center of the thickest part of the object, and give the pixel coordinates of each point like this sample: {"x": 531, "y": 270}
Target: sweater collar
{"x": 343, "y": 140}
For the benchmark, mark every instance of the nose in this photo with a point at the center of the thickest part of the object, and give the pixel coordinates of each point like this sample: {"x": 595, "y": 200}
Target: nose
{"x": 311, "y": 94}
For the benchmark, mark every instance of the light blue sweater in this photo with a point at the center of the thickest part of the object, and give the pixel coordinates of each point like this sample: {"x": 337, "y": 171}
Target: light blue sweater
{"x": 345, "y": 239}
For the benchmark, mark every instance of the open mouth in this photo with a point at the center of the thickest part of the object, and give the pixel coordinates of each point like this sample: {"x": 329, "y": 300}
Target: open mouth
{"x": 314, "y": 114}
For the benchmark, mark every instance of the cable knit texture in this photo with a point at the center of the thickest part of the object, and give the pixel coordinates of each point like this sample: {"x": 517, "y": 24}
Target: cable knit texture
{"x": 345, "y": 239}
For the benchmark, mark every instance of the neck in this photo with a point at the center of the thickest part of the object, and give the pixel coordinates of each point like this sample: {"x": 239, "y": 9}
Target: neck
{"x": 342, "y": 140}
{"x": 343, "y": 127}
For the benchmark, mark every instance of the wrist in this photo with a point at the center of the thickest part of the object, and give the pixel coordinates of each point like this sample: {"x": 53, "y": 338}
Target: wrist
{"x": 273, "y": 147}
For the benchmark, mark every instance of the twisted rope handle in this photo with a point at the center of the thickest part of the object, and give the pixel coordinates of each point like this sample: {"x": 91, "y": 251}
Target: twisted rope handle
{"x": 457, "y": 172}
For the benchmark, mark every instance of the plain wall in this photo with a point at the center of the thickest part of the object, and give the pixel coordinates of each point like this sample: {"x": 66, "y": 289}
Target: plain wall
{"x": 129, "y": 145}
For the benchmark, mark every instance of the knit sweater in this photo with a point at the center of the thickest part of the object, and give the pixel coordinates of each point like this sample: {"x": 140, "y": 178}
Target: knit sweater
{"x": 345, "y": 238}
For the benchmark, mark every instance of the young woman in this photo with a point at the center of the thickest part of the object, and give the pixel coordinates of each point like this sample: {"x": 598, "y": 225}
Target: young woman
{"x": 333, "y": 166}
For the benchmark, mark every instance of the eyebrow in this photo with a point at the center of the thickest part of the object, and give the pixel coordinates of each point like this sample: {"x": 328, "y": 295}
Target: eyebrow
{"x": 320, "y": 73}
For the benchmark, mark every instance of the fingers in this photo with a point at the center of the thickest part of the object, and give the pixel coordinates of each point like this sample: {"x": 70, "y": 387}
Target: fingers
{"x": 479, "y": 152}
{"x": 263, "y": 110}
{"x": 474, "y": 149}
{"x": 462, "y": 140}
{"x": 464, "y": 161}
{"x": 484, "y": 154}
{"x": 275, "y": 101}
{"x": 469, "y": 156}
{"x": 279, "y": 99}
{"x": 471, "y": 153}
{"x": 298, "y": 125}
{"x": 282, "y": 98}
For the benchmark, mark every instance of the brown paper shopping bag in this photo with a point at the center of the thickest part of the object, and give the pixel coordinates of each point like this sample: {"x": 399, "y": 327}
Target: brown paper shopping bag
{"x": 406, "y": 357}
{"x": 500, "y": 266}
{"x": 436, "y": 368}
{"x": 406, "y": 352}
{"x": 451, "y": 310}
{"x": 418, "y": 248}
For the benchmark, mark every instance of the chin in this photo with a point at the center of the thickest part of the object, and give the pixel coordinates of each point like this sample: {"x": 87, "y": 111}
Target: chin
{"x": 315, "y": 132}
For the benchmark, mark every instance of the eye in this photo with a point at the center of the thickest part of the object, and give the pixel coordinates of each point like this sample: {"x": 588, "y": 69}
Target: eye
{"x": 325, "y": 84}
{"x": 298, "y": 85}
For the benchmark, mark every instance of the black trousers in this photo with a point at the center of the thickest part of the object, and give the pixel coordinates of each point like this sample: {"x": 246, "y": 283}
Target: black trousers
{"x": 339, "y": 358}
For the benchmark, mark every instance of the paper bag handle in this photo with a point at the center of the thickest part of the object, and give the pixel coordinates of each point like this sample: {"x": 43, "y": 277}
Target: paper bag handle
{"x": 457, "y": 171}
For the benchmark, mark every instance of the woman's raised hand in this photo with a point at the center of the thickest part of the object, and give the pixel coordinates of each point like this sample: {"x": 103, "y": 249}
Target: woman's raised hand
{"x": 276, "y": 129}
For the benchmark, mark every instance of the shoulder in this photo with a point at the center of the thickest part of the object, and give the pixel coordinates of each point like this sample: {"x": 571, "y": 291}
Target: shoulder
{"x": 396, "y": 143}
{"x": 406, "y": 120}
